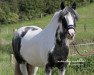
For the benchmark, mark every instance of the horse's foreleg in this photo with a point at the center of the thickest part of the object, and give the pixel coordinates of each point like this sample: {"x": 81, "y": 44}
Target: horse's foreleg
{"x": 25, "y": 69}
{"x": 63, "y": 69}
{"x": 48, "y": 70}
{"x": 32, "y": 70}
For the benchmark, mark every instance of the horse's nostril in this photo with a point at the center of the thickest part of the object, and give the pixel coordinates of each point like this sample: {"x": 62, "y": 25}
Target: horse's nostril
{"x": 70, "y": 36}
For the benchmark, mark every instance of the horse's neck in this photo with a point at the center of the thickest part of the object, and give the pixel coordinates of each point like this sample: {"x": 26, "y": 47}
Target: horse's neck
{"x": 50, "y": 31}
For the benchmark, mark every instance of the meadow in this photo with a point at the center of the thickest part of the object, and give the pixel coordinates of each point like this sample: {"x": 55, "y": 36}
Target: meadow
{"x": 84, "y": 34}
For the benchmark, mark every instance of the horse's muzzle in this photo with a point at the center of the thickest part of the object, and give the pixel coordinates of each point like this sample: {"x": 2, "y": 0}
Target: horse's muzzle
{"x": 71, "y": 34}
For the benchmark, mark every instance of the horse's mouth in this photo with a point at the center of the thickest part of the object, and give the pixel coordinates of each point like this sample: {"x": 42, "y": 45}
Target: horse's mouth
{"x": 71, "y": 37}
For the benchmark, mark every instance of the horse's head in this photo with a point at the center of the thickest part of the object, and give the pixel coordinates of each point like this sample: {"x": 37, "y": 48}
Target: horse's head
{"x": 68, "y": 17}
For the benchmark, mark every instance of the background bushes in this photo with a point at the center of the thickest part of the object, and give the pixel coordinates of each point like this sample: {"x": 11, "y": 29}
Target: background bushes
{"x": 17, "y": 10}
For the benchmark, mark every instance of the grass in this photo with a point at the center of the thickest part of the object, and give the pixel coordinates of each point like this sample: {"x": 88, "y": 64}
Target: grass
{"x": 82, "y": 36}
{"x": 87, "y": 20}
{"x": 6, "y": 67}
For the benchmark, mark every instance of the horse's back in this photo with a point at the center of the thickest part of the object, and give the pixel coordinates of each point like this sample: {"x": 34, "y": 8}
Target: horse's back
{"x": 23, "y": 30}
{"x": 23, "y": 33}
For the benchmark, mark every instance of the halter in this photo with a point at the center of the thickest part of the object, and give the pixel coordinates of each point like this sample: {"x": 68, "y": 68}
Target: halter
{"x": 71, "y": 27}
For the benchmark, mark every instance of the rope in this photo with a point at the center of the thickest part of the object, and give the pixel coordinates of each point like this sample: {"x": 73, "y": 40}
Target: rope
{"x": 89, "y": 53}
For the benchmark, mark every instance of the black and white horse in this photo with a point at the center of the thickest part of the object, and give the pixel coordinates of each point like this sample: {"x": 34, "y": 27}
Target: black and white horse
{"x": 35, "y": 47}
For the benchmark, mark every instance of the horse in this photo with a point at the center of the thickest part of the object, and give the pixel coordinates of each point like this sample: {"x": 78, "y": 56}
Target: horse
{"x": 48, "y": 48}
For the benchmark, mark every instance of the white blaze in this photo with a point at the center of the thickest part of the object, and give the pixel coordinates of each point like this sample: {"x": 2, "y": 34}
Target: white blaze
{"x": 69, "y": 18}
{"x": 70, "y": 21}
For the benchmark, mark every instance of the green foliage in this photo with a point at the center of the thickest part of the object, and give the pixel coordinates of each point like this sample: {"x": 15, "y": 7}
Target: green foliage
{"x": 12, "y": 17}
{"x": 8, "y": 11}
{"x": 2, "y": 16}
{"x": 14, "y": 10}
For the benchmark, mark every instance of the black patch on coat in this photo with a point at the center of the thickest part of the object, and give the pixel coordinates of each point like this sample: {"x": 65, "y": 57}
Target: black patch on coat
{"x": 26, "y": 30}
{"x": 16, "y": 44}
{"x": 59, "y": 54}
{"x": 62, "y": 35}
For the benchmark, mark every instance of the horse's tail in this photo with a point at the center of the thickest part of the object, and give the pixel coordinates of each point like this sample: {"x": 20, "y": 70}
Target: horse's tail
{"x": 23, "y": 69}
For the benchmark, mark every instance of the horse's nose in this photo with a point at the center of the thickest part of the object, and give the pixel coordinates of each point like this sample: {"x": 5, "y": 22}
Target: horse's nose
{"x": 71, "y": 33}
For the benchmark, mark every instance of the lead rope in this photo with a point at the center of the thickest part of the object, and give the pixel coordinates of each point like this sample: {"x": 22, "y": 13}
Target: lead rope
{"x": 89, "y": 53}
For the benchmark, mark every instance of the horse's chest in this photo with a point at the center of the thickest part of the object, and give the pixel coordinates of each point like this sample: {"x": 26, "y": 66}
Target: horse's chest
{"x": 58, "y": 57}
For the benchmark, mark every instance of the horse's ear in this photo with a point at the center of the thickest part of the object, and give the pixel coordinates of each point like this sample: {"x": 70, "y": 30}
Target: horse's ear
{"x": 62, "y": 6}
{"x": 74, "y": 5}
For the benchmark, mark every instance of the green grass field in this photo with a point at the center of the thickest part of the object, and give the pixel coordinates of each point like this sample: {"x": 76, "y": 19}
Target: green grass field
{"x": 84, "y": 34}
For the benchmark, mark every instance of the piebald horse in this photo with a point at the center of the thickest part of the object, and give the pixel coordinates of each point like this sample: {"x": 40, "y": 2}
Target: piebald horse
{"x": 48, "y": 48}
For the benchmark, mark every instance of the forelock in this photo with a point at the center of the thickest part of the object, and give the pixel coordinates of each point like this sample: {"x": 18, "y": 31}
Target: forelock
{"x": 71, "y": 10}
